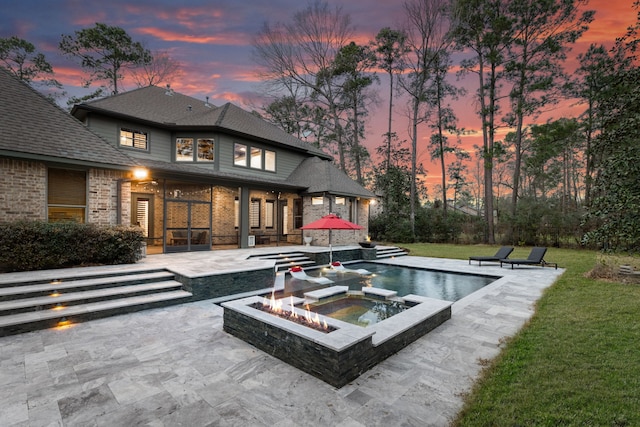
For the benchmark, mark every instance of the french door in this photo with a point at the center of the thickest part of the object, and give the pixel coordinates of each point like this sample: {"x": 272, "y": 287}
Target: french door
{"x": 187, "y": 225}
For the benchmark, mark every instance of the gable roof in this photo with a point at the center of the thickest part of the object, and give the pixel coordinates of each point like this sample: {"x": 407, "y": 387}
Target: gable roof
{"x": 32, "y": 127}
{"x": 167, "y": 109}
{"x": 321, "y": 176}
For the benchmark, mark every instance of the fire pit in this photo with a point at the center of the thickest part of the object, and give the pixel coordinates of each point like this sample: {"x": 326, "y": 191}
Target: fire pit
{"x": 339, "y": 352}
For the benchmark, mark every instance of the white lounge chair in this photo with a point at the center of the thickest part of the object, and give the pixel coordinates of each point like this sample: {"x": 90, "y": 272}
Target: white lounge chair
{"x": 337, "y": 265}
{"x": 298, "y": 273}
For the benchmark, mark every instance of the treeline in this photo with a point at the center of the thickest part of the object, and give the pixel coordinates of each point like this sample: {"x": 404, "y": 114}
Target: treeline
{"x": 544, "y": 183}
{"x": 567, "y": 181}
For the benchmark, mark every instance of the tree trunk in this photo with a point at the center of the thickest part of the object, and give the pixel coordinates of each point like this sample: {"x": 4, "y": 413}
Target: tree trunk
{"x": 388, "y": 164}
{"x": 414, "y": 149}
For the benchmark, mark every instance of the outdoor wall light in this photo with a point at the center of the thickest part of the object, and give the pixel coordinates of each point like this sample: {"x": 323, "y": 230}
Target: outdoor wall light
{"x": 140, "y": 173}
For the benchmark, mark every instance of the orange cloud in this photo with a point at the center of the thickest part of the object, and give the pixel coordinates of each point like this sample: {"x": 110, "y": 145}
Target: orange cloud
{"x": 174, "y": 36}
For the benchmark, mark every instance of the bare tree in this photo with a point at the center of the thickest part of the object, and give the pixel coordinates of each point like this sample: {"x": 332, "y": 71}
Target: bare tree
{"x": 298, "y": 57}
{"x": 162, "y": 69}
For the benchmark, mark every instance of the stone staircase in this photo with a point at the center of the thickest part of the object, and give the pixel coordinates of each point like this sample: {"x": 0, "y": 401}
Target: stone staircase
{"x": 389, "y": 252}
{"x": 39, "y": 304}
{"x": 286, "y": 260}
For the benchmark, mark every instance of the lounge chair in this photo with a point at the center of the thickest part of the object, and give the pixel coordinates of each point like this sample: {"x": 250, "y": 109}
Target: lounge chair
{"x": 337, "y": 265}
{"x": 298, "y": 273}
{"x": 536, "y": 257}
{"x": 502, "y": 253}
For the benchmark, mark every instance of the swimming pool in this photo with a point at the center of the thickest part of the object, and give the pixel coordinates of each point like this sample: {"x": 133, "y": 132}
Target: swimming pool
{"x": 443, "y": 285}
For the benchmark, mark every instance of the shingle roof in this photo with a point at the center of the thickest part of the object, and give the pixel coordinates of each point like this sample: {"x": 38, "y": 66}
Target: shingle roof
{"x": 33, "y": 127}
{"x": 152, "y": 104}
{"x": 321, "y": 176}
{"x": 187, "y": 169}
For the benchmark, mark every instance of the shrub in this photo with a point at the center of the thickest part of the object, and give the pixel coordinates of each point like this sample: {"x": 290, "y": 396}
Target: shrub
{"x": 35, "y": 245}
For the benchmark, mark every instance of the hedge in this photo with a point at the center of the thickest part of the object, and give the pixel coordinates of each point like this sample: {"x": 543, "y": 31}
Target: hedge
{"x": 36, "y": 245}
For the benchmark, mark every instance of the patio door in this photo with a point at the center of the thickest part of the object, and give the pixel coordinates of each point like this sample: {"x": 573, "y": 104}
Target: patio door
{"x": 188, "y": 225}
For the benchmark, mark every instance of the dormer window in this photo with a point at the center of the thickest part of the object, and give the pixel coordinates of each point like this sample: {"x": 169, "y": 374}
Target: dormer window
{"x": 134, "y": 139}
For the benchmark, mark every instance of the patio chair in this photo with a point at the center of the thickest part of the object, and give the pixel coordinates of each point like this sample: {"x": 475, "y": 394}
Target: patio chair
{"x": 298, "y": 273}
{"x": 536, "y": 257}
{"x": 502, "y": 253}
{"x": 337, "y": 266}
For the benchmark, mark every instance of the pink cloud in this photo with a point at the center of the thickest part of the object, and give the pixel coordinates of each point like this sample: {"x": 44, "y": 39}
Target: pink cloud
{"x": 177, "y": 36}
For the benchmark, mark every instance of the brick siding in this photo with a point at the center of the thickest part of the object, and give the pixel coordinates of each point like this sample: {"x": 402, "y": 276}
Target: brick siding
{"x": 22, "y": 190}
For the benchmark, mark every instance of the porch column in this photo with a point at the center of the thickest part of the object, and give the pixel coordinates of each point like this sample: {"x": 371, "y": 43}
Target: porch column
{"x": 244, "y": 216}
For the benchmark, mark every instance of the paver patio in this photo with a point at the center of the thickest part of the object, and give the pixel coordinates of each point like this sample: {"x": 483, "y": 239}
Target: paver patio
{"x": 176, "y": 366}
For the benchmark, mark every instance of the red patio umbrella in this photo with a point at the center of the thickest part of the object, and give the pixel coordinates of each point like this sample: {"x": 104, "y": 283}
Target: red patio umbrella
{"x": 331, "y": 222}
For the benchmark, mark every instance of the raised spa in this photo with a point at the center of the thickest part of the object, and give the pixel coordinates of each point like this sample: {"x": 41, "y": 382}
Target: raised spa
{"x": 344, "y": 350}
{"x": 358, "y": 309}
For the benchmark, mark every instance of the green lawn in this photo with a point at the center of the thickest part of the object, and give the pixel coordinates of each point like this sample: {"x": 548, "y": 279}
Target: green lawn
{"x": 576, "y": 363}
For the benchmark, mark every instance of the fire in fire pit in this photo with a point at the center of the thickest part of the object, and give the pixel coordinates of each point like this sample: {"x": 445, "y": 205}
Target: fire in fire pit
{"x": 275, "y": 307}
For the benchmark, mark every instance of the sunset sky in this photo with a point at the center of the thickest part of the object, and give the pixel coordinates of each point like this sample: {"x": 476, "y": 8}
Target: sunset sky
{"x": 212, "y": 41}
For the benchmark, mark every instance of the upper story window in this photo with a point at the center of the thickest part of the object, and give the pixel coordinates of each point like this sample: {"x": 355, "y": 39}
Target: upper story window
{"x": 134, "y": 139}
{"x": 269, "y": 160}
{"x": 184, "y": 149}
{"x": 240, "y": 155}
{"x": 204, "y": 150}
{"x": 254, "y": 157}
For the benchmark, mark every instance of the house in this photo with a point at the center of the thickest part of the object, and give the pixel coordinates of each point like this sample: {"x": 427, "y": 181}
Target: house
{"x": 192, "y": 175}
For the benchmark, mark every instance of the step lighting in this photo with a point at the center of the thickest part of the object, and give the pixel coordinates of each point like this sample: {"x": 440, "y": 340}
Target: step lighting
{"x": 64, "y": 323}
{"x": 55, "y": 294}
{"x": 55, "y": 282}
{"x": 58, "y": 307}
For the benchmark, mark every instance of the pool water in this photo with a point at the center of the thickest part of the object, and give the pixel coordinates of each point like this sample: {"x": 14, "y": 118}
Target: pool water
{"x": 358, "y": 310}
{"x": 443, "y": 285}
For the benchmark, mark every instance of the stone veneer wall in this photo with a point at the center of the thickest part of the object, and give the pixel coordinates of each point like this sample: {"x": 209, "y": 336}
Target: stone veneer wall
{"x": 222, "y": 285}
{"x": 337, "y": 368}
{"x": 23, "y": 192}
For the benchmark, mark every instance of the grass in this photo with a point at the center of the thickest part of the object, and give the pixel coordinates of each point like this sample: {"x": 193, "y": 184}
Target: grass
{"x": 576, "y": 362}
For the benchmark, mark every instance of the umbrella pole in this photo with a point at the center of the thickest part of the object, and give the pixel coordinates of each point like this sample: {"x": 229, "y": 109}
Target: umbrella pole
{"x": 330, "y": 249}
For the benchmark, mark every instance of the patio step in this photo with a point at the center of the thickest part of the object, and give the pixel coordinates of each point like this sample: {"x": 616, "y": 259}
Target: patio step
{"x": 286, "y": 260}
{"x": 27, "y": 305}
{"x": 389, "y": 252}
{"x": 21, "y": 290}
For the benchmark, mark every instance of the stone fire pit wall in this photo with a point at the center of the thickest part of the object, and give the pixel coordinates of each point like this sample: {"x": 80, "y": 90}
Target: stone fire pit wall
{"x": 340, "y": 356}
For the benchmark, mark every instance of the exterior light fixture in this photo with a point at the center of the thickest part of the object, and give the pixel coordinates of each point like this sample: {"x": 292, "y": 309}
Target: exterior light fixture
{"x": 140, "y": 173}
